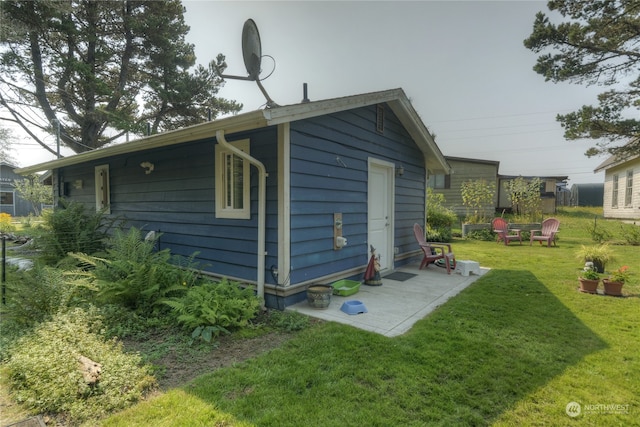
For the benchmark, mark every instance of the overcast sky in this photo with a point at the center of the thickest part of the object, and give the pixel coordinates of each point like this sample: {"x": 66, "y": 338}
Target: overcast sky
{"x": 462, "y": 63}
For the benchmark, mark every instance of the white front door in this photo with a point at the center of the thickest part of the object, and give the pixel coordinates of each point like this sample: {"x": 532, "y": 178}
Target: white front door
{"x": 380, "y": 206}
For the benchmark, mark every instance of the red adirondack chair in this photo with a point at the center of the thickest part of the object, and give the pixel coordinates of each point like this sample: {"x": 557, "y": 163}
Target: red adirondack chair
{"x": 434, "y": 251}
{"x": 501, "y": 228}
{"x": 547, "y": 234}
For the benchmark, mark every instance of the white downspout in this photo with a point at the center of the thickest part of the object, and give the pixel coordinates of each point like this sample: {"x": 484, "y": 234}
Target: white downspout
{"x": 262, "y": 207}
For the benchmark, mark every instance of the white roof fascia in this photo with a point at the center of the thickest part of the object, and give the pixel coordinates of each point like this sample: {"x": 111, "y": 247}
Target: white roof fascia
{"x": 241, "y": 122}
{"x": 291, "y": 113}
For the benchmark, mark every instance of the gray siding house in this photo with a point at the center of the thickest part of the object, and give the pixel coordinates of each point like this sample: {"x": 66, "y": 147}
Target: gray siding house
{"x": 10, "y": 200}
{"x": 463, "y": 170}
{"x": 262, "y": 196}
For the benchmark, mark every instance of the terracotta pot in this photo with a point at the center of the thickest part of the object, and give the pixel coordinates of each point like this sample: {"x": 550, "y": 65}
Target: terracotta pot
{"x": 612, "y": 288}
{"x": 589, "y": 286}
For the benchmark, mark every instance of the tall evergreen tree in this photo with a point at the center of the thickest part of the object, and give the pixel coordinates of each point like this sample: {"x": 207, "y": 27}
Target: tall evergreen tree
{"x": 100, "y": 69}
{"x": 598, "y": 42}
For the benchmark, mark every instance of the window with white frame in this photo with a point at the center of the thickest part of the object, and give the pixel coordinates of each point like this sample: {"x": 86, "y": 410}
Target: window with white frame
{"x": 628, "y": 191}
{"x": 232, "y": 182}
{"x": 103, "y": 192}
{"x": 614, "y": 191}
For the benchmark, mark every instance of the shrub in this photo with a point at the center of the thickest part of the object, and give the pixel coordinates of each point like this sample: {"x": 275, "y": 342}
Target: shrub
{"x": 477, "y": 196}
{"x": 71, "y": 229}
{"x": 5, "y": 223}
{"x": 43, "y": 369}
{"x": 525, "y": 197}
{"x": 631, "y": 234}
{"x": 133, "y": 274}
{"x": 211, "y": 308}
{"x": 36, "y": 295}
{"x": 439, "y": 218}
{"x": 484, "y": 234}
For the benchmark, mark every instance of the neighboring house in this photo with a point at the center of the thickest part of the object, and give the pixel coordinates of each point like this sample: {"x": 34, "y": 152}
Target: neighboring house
{"x": 10, "y": 200}
{"x": 621, "y": 200}
{"x": 462, "y": 170}
{"x": 553, "y": 190}
{"x": 587, "y": 194}
{"x": 549, "y": 187}
{"x": 262, "y": 196}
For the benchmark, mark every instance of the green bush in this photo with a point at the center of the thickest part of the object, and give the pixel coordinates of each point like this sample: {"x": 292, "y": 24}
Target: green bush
{"x": 439, "y": 218}
{"x": 133, "y": 274}
{"x": 631, "y": 234}
{"x": 36, "y": 295}
{"x": 44, "y": 375}
{"x": 443, "y": 234}
{"x": 211, "y": 308}
{"x": 71, "y": 229}
{"x": 484, "y": 234}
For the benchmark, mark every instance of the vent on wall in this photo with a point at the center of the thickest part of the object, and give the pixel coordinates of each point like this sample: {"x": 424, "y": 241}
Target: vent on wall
{"x": 380, "y": 118}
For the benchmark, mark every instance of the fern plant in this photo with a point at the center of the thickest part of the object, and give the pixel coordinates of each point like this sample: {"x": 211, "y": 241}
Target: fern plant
{"x": 70, "y": 228}
{"x": 211, "y": 309}
{"x": 135, "y": 275}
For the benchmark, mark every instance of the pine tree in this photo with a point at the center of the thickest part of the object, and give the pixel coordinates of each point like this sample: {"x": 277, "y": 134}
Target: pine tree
{"x": 598, "y": 42}
{"x": 102, "y": 69}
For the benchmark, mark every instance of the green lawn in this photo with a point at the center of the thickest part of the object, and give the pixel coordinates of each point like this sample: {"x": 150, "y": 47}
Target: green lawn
{"x": 516, "y": 347}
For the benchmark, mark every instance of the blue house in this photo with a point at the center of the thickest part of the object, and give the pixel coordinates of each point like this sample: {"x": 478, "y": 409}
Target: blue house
{"x": 10, "y": 200}
{"x": 279, "y": 198}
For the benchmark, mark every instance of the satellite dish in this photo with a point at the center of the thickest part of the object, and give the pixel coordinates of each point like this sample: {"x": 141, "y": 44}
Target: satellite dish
{"x": 252, "y": 55}
{"x": 251, "y": 49}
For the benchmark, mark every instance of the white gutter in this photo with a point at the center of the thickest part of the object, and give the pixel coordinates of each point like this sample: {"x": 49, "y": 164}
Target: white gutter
{"x": 262, "y": 207}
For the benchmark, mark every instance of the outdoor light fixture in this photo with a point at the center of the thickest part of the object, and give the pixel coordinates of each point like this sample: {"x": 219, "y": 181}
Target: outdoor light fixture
{"x": 400, "y": 171}
{"x": 147, "y": 166}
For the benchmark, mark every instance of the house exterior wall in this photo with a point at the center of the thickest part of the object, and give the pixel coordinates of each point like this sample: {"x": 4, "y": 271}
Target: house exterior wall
{"x": 329, "y": 173}
{"x": 13, "y": 205}
{"x": 464, "y": 170}
{"x": 177, "y": 199}
{"x": 621, "y": 209}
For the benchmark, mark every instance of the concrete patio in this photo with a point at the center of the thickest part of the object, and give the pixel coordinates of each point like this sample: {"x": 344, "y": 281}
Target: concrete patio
{"x": 394, "y": 307}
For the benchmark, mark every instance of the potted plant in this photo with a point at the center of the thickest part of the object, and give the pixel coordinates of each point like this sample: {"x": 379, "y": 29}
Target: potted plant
{"x": 617, "y": 279}
{"x": 599, "y": 255}
{"x": 589, "y": 279}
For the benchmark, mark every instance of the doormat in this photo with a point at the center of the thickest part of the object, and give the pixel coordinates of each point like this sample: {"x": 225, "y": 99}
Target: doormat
{"x": 399, "y": 276}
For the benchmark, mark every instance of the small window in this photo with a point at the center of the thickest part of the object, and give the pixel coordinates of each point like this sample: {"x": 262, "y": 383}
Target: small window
{"x": 380, "y": 118}
{"x": 232, "y": 182}
{"x": 6, "y": 198}
{"x": 614, "y": 192}
{"x": 439, "y": 181}
{"x": 628, "y": 191}
{"x": 103, "y": 196}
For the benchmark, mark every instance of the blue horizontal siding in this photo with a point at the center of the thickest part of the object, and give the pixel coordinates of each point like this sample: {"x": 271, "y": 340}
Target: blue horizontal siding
{"x": 178, "y": 200}
{"x": 329, "y": 173}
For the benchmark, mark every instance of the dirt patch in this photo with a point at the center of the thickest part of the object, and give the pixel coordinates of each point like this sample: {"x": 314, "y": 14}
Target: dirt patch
{"x": 176, "y": 364}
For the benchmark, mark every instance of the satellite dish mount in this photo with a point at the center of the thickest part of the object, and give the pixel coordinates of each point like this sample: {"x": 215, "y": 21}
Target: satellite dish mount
{"x": 252, "y": 55}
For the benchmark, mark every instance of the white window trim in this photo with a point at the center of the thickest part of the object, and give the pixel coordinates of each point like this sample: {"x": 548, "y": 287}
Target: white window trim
{"x": 628, "y": 189}
{"x": 615, "y": 188}
{"x": 103, "y": 191}
{"x": 223, "y": 211}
